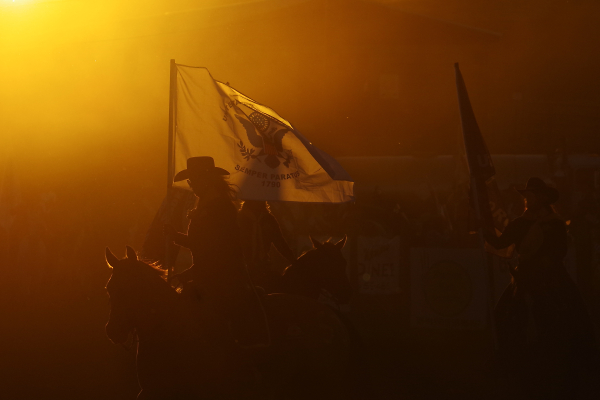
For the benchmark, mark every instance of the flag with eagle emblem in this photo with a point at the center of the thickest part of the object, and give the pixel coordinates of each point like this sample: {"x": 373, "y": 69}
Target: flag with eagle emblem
{"x": 268, "y": 159}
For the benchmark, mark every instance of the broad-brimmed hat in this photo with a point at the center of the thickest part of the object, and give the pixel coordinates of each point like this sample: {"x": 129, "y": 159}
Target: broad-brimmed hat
{"x": 538, "y": 186}
{"x": 199, "y": 166}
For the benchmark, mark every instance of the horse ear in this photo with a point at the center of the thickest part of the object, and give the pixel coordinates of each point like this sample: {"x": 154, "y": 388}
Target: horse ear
{"x": 131, "y": 253}
{"x": 111, "y": 260}
{"x": 315, "y": 242}
{"x": 340, "y": 245}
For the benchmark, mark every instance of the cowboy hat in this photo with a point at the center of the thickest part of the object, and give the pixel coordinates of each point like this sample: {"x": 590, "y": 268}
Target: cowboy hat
{"x": 198, "y": 166}
{"x": 538, "y": 186}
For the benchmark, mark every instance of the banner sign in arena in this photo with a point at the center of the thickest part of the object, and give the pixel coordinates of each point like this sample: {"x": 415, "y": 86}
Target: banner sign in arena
{"x": 378, "y": 262}
{"x": 267, "y": 158}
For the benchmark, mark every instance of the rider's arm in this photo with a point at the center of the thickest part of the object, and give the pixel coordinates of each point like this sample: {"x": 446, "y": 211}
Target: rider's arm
{"x": 507, "y": 237}
{"x": 246, "y": 226}
{"x": 279, "y": 241}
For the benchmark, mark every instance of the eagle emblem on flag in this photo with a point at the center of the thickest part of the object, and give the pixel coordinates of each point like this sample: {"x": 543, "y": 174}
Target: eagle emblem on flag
{"x": 265, "y": 135}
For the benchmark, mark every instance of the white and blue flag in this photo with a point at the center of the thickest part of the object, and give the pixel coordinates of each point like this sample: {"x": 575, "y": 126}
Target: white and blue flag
{"x": 267, "y": 158}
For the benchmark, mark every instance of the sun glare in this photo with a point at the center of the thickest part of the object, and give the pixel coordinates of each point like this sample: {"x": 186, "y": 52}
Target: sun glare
{"x": 19, "y": 2}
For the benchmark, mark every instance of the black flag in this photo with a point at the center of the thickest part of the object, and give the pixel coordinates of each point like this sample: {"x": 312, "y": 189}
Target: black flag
{"x": 478, "y": 156}
{"x": 485, "y": 189}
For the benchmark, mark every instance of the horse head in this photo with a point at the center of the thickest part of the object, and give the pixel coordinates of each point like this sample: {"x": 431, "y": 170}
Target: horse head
{"x": 131, "y": 290}
{"x": 322, "y": 268}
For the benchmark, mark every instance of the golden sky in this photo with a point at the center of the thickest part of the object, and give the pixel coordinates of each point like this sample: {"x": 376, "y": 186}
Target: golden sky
{"x": 81, "y": 75}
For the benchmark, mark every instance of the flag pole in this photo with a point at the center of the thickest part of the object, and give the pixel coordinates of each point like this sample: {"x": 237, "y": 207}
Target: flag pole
{"x": 488, "y": 263}
{"x": 171, "y": 155}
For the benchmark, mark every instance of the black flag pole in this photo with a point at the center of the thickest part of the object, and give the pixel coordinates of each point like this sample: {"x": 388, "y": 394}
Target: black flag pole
{"x": 171, "y": 156}
{"x": 481, "y": 169}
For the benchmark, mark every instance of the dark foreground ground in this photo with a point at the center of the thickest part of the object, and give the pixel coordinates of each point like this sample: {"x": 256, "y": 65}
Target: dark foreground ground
{"x": 53, "y": 346}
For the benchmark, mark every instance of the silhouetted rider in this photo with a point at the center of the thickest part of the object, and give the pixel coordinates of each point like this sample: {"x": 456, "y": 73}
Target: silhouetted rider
{"x": 218, "y": 273}
{"x": 542, "y": 324}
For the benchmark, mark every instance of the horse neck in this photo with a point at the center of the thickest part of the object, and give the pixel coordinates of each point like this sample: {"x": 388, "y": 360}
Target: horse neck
{"x": 159, "y": 314}
{"x": 168, "y": 344}
{"x": 301, "y": 277}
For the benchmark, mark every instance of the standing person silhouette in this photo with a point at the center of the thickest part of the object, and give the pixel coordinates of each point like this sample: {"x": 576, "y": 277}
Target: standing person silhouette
{"x": 544, "y": 333}
{"x": 218, "y": 275}
{"x": 260, "y": 229}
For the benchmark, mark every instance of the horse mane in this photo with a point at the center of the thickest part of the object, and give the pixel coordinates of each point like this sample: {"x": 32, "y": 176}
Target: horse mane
{"x": 150, "y": 268}
{"x": 157, "y": 267}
